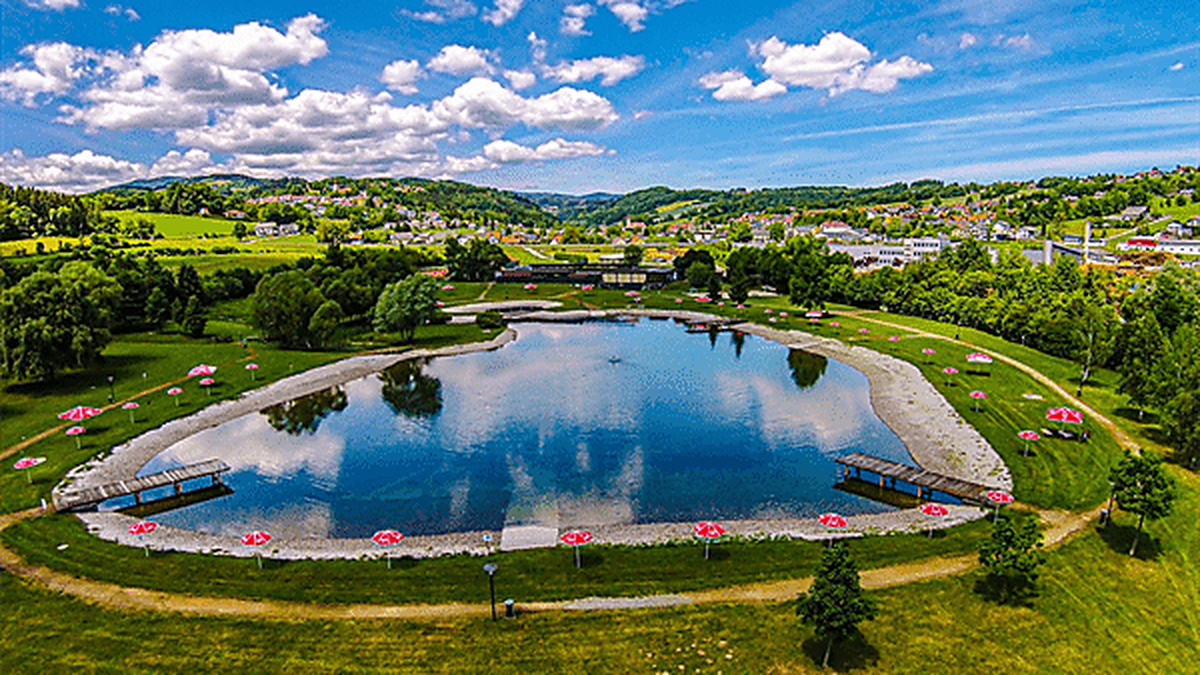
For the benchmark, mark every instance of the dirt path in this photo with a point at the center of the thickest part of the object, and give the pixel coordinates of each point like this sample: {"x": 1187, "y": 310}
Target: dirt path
{"x": 115, "y": 405}
{"x": 1124, "y": 439}
{"x": 1060, "y": 526}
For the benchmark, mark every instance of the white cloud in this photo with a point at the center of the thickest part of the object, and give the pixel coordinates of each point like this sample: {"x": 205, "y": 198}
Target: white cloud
{"x": 82, "y": 172}
{"x": 175, "y": 163}
{"x": 56, "y": 67}
{"x": 837, "y": 63}
{"x": 446, "y": 10}
{"x": 507, "y": 152}
{"x": 537, "y": 47}
{"x": 632, "y": 14}
{"x": 56, "y": 5}
{"x": 503, "y": 12}
{"x": 967, "y": 40}
{"x": 176, "y": 80}
{"x": 610, "y": 70}
{"x": 117, "y": 10}
{"x": 402, "y": 76}
{"x": 733, "y": 85}
{"x": 1025, "y": 42}
{"x": 520, "y": 79}
{"x": 459, "y": 60}
{"x": 574, "y": 19}
{"x": 483, "y": 103}
{"x": 1177, "y": 67}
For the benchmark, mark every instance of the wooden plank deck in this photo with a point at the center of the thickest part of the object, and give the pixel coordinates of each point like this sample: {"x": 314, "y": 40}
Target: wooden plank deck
{"x": 924, "y": 480}
{"x": 91, "y": 496}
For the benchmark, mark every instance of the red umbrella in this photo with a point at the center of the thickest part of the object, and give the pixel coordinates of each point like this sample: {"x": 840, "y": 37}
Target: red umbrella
{"x": 76, "y": 431}
{"x": 386, "y": 538}
{"x": 978, "y": 395}
{"x": 175, "y": 391}
{"x": 131, "y": 406}
{"x": 256, "y": 539}
{"x": 708, "y": 530}
{"x": 1072, "y": 416}
{"x": 949, "y": 370}
{"x": 832, "y": 521}
{"x": 577, "y": 538}
{"x": 929, "y": 351}
{"x": 207, "y": 383}
{"x": 815, "y": 314}
{"x": 79, "y": 413}
{"x": 978, "y": 357}
{"x": 202, "y": 369}
{"x": 142, "y": 528}
{"x": 1028, "y": 436}
{"x": 999, "y": 497}
{"x": 252, "y": 367}
{"x": 934, "y": 511}
{"x": 28, "y": 463}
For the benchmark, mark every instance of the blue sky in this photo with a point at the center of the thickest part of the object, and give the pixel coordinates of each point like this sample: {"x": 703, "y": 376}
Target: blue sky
{"x": 615, "y": 95}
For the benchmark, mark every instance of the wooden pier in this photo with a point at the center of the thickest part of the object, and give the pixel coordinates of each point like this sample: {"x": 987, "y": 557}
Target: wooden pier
{"x": 88, "y": 497}
{"x": 927, "y": 482}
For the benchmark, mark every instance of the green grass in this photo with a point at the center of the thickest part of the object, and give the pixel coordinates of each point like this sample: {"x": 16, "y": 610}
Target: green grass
{"x": 1099, "y": 612}
{"x": 534, "y": 575}
{"x": 174, "y": 226}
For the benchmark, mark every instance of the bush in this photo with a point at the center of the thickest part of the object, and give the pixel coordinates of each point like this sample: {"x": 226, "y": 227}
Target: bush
{"x": 489, "y": 320}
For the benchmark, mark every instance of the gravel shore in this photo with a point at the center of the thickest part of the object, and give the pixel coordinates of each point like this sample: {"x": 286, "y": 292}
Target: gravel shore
{"x": 936, "y": 436}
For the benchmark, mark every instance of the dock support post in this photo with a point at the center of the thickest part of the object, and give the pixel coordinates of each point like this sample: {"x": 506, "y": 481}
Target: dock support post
{"x": 137, "y": 497}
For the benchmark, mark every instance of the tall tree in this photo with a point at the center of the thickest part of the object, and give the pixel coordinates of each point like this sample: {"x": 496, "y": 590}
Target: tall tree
{"x": 195, "y": 317}
{"x": 1141, "y": 485}
{"x": 324, "y": 323}
{"x": 1143, "y": 347}
{"x": 479, "y": 260}
{"x": 405, "y": 305}
{"x": 1012, "y": 556}
{"x": 835, "y": 603}
{"x": 1094, "y": 329}
{"x": 52, "y": 322}
{"x": 283, "y": 306}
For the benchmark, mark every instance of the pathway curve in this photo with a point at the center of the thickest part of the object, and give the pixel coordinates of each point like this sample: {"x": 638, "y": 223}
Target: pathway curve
{"x": 1123, "y": 438}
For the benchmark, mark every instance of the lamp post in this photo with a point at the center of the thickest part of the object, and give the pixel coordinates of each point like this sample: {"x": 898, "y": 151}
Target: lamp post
{"x": 111, "y": 396}
{"x": 491, "y": 568}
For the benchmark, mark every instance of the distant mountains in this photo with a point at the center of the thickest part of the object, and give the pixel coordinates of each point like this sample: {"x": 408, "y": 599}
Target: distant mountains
{"x": 230, "y": 181}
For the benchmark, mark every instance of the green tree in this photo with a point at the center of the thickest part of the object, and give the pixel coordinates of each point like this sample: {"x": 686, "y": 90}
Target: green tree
{"x": 240, "y": 231}
{"x": 283, "y": 306}
{"x": 1094, "y": 330}
{"x": 158, "y": 309}
{"x": 195, "y": 317}
{"x": 835, "y": 603}
{"x": 699, "y": 274}
{"x": 187, "y": 284}
{"x": 324, "y": 323}
{"x": 633, "y": 255}
{"x": 1181, "y": 422}
{"x": 1143, "y": 346}
{"x": 1012, "y": 556}
{"x": 809, "y": 283}
{"x": 405, "y": 305}
{"x": 52, "y": 322}
{"x": 1141, "y": 485}
{"x": 479, "y": 260}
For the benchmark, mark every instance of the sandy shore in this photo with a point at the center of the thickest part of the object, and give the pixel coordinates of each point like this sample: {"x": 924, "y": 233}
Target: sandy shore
{"x": 936, "y": 436}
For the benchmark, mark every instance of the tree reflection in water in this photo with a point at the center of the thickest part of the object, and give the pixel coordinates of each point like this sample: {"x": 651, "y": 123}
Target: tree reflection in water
{"x": 304, "y": 415}
{"x": 409, "y": 391}
{"x": 739, "y": 341}
{"x": 806, "y": 367}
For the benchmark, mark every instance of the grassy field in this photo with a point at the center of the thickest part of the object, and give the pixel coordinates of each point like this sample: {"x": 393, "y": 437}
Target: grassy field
{"x": 1098, "y": 612}
{"x": 174, "y": 226}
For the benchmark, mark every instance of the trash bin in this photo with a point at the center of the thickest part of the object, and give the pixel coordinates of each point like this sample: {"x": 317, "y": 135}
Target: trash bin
{"x": 510, "y": 611}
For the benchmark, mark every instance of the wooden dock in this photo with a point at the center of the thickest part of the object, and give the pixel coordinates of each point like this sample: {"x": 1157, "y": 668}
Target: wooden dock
{"x": 927, "y": 482}
{"x": 88, "y": 497}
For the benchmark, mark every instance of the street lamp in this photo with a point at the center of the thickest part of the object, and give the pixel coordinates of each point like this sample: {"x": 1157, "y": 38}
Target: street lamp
{"x": 491, "y": 568}
{"x": 110, "y": 389}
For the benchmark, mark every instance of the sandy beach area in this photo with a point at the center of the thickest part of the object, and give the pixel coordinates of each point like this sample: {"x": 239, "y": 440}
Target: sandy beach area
{"x": 936, "y": 436}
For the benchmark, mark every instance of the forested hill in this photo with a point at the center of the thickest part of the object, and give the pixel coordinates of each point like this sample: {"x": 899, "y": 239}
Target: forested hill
{"x": 715, "y": 204}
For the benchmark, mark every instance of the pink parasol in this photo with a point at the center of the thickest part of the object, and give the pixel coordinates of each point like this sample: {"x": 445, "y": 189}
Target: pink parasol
{"x": 740, "y": 306}
{"x": 76, "y": 431}
{"x": 949, "y": 370}
{"x": 143, "y": 527}
{"x": 131, "y": 406}
{"x": 175, "y": 391}
{"x": 577, "y": 538}
{"x": 79, "y": 413}
{"x": 439, "y": 303}
{"x": 933, "y": 511}
{"x": 708, "y": 530}
{"x": 252, "y": 367}
{"x": 631, "y": 294}
{"x": 1028, "y": 436}
{"x": 864, "y": 331}
{"x": 386, "y": 538}
{"x": 832, "y": 520}
{"x": 814, "y": 320}
{"x": 530, "y": 287}
{"x": 256, "y": 539}
{"x": 767, "y": 311}
{"x": 1072, "y": 416}
{"x": 835, "y": 324}
{"x": 894, "y": 338}
{"x": 28, "y": 463}
{"x": 783, "y": 314}
{"x": 978, "y": 357}
{"x": 999, "y": 497}
{"x": 703, "y": 298}
{"x": 814, "y": 314}
{"x": 928, "y": 351}
{"x": 448, "y": 287}
{"x": 207, "y": 383}
{"x": 978, "y": 396}
{"x": 202, "y": 369}
{"x": 678, "y": 301}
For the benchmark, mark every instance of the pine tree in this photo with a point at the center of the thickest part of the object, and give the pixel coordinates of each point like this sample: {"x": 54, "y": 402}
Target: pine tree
{"x": 835, "y": 604}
